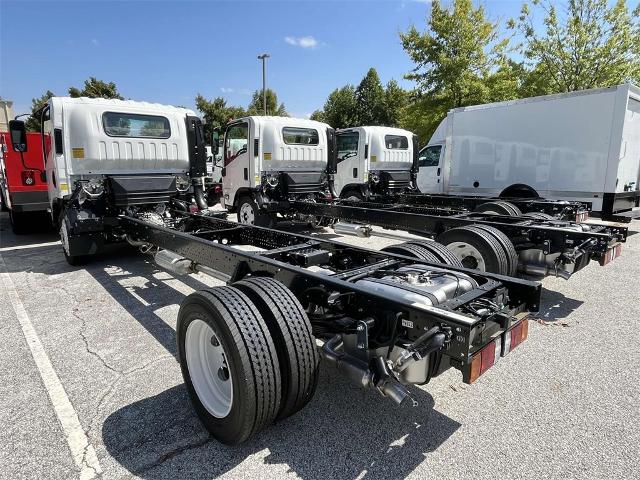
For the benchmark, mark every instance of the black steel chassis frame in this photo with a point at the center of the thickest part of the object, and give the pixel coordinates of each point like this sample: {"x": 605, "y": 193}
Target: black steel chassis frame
{"x": 568, "y": 210}
{"x": 210, "y": 242}
{"x": 432, "y": 221}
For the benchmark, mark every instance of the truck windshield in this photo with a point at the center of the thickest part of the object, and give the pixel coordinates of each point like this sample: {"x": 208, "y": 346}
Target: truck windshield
{"x": 347, "y": 145}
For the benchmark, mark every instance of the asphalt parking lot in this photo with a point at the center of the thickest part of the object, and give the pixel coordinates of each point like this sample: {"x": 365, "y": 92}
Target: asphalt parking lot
{"x": 563, "y": 405}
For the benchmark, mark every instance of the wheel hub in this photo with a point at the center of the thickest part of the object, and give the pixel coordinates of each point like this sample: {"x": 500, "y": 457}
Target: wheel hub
{"x": 208, "y": 368}
{"x": 469, "y": 255}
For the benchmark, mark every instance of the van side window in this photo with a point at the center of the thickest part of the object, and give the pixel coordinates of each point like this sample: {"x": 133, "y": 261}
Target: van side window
{"x": 236, "y": 142}
{"x": 300, "y": 136}
{"x": 132, "y": 125}
{"x": 396, "y": 142}
{"x": 430, "y": 156}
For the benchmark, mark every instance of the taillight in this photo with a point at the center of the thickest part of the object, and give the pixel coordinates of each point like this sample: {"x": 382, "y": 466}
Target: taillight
{"x": 582, "y": 216}
{"x": 491, "y": 353}
{"x": 28, "y": 177}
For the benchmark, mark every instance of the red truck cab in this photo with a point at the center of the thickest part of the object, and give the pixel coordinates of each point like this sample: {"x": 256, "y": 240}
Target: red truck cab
{"x": 23, "y": 189}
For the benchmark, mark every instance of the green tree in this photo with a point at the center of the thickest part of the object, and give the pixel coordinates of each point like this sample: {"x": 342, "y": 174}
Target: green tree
{"x": 216, "y": 113}
{"x": 395, "y": 103}
{"x": 459, "y": 60}
{"x": 273, "y": 108}
{"x": 340, "y": 108}
{"x": 94, "y": 88}
{"x": 587, "y": 44}
{"x": 33, "y": 122}
{"x": 370, "y": 100}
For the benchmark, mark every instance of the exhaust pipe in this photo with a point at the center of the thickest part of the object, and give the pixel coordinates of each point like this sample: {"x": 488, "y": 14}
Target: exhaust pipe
{"x": 179, "y": 265}
{"x": 363, "y": 231}
{"x": 359, "y": 372}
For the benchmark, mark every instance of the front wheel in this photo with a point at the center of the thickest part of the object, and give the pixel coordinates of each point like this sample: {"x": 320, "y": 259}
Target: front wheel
{"x": 73, "y": 260}
{"x": 229, "y": 363}
{"x": 250, "y": 214}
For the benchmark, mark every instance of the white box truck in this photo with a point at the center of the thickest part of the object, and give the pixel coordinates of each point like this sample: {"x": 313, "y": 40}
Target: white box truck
{"x": 580, "y": 146}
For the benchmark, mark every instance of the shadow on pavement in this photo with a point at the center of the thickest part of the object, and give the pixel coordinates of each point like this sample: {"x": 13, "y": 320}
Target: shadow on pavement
{"x": 345, "y": 432}
{"x": 555, "y": 306}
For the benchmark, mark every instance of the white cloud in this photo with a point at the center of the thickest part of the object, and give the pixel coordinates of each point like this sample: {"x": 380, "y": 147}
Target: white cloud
{"x": 227, "y": 90}
{"x": 304, "y": 42}
{"x": 95, "y": 42}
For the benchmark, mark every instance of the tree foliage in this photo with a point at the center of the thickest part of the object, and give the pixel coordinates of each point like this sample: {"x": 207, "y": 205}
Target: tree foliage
{"x": 459, "y": 60}
{"x": 33, "y": 121}
{"x": 587, "y": 44}
{"x": 216, "y": 113}
{"x": 367, "y": 104}
{"x": 256, "y": 107}
{"x": 94, "y": 88}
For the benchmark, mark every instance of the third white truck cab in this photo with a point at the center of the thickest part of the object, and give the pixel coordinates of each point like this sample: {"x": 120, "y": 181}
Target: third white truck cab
{"x": 374, "y": 161}
{"x": 271, "y": 160}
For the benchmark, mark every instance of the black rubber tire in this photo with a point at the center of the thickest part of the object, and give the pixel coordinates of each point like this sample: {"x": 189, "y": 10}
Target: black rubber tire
{"x": 441, "y": 252}
{"x": 3, "y": 202}
{"x": 499, "y": 207}
{"x": 538, "y": 216}
{"x": 73, "y": 260}
{"x": 410, "y": 250}
{"x": 515, "y": 211}
{"x": 354, "y": 196}
{"x": 493, "y": 255}
{"x": 261, "y": 219}
{"x": 290, "y": 329}
{"x": 19, "y": 222}
{"x": 252, "y": 361}
{"x": 507, "y": 246}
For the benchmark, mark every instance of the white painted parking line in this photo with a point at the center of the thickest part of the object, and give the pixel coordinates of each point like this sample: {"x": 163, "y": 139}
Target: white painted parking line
{"x": 83, "y": 453}
{"x": 27, "y": 247}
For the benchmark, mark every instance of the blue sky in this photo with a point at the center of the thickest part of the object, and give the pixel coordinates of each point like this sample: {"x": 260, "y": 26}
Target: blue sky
{"x": 168, "y": 51}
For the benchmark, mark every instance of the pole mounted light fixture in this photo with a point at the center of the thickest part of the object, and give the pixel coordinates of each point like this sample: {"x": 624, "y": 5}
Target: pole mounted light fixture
{"x": 264, "y": 57}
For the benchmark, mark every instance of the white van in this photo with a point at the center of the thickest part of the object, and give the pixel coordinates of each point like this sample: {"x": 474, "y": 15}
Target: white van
{"x": 580, "y": 146}
{"x": 271, "y": 160}
{"x": 374, "y": 161}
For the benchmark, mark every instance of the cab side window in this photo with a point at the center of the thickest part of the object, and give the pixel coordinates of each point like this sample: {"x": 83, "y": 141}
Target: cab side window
{"x": 236, "y": 142}
{"x": 430, "y": 156}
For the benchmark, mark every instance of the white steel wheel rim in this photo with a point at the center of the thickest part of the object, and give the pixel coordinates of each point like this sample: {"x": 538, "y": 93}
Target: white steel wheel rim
{"x": 208, "y": 366}
{"x": 463, "y": 251}
{"x": 246, "y": 214}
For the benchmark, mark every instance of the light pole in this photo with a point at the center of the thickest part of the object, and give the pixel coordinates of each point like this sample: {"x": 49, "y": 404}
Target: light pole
{"x": 264, "y": 57}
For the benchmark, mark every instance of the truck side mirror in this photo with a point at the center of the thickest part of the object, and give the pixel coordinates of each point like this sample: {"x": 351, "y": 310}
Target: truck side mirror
{"x": 18, "y": 131}
{"x": 215, "y": 143}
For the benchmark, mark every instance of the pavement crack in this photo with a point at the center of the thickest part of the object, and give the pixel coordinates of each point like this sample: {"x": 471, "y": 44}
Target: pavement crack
{"x": 172, "y": 454}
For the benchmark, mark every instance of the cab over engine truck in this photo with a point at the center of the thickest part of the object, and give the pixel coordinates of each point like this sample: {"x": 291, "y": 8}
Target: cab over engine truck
{"x": 269, "y": 161}
{"x": 111, "y": 157}
{"x": 247, "y": 351}
{"x": 23, "y": 188}
{"x": 375, "y": 162}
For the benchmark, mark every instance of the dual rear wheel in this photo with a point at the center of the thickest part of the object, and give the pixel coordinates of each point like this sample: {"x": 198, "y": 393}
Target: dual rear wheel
{"x": 247, "y": 356}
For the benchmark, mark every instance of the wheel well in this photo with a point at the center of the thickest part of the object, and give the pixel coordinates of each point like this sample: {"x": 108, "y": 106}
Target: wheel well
{"x": 519, "y": 190}
{"x": 352, "y": 187}
{"x": 242, "y": 192}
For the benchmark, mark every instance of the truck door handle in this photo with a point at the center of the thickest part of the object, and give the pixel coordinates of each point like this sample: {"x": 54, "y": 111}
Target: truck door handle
{"x": 246, "y": 174}
{"x": 438, "y": 172}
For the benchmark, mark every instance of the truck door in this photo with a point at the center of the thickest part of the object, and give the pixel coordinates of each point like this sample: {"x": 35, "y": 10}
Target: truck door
{"x": 237, "y": 171}
{"x": 351, "y": 159}
{"x": 430, "y": 169}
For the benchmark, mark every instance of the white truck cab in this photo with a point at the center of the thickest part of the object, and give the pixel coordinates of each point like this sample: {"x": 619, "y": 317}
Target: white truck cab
{"x": 271, "y": 160}
{"x": 106, "y": 158}
{"x": 374, "y": 161}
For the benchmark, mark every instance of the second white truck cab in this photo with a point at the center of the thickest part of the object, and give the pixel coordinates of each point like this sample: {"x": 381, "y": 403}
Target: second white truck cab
{"x": 374, "y": 161}
{"x": 271, "y": 160}
{"x": 580, "y": 146}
